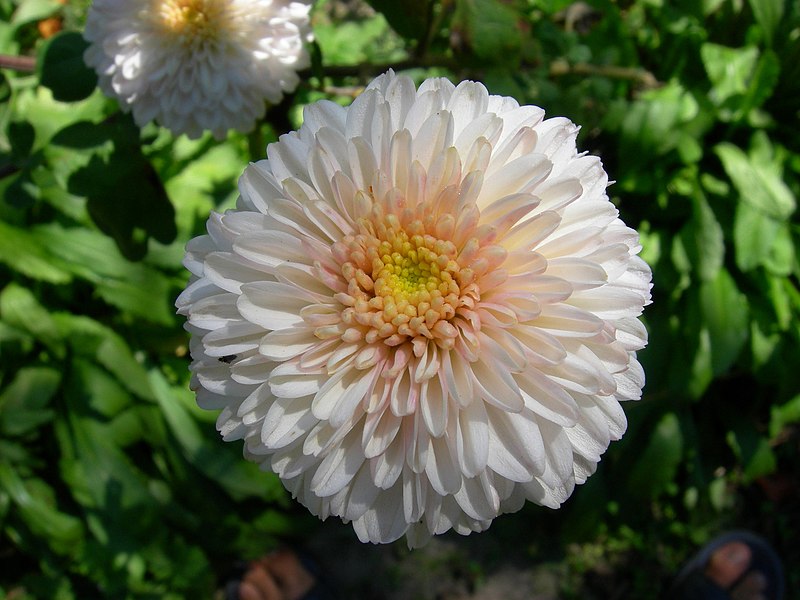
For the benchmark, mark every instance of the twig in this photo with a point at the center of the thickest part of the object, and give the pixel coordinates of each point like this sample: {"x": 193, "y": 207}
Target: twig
{"x": 18, "y": 63}
{"x": 646, "y": 79}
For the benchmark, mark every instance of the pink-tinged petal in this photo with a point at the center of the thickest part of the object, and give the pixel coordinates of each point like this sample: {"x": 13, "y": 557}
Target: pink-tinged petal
{"x": 383, "y": 522}
{"x": 414, "y": 495}
{"x": 288, "y": 380}
{"x": 387, "y": 466}
{"x": 352, "y": 501}
{"x": 516, "y": 449}
{"x": 287, "y": 343}
{"x": 564, "y": 320}
{"x": 433, "y": 404}
{"x": 214, "y": 311}
{"x": 272, "y": 305}
{"x": 270, "y": 248}
{"x": 380, "y": 430}
{"x": 442, "y": 470}
{"x": 521, "y": 175}
{"x": 338, "y": 468}
{"x": 548, "y": 399}
{"x": 232, "y": 339}
{"x": 286, "y": 421}
{"x": 472, "y": 439}
{"x": 229, "y": 272}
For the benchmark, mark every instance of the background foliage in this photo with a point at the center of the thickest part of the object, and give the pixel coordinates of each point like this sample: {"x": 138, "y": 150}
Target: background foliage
{"x": 113, "y": 484}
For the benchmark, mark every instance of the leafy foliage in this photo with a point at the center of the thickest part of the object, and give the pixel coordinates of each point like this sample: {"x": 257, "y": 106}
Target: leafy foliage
{"x": 112, "y": 482}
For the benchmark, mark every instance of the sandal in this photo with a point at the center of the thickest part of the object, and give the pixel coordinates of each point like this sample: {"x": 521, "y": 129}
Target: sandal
{"x": 319, "y": 591}
{"x": 693, "y": 584}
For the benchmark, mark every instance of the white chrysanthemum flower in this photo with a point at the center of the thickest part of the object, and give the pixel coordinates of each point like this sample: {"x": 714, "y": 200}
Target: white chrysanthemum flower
{"x": 193, "y": 65}
{"x": 422, "y": 312}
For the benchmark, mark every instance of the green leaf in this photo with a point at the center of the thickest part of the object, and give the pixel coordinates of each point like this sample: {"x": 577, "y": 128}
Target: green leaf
{"x": 24, "y": 254}
{"x": 725, "y": 315}
{"x": 753, "y": 236}
{"x": 753, "y": 451}
{"x": 133, "y": 287}
{"x": 61, "y": 68}
{"x": 21, "y": 136}
{"x": 703, "y": 239}
{"x": 126, "y": 199}
{"x": 62, "y": 532}
{"x": 24, "y": 402}
{"x": 762, "y": 83}
{"x": 90, "y": 339}
{"x": 91, "y": 389}
{"x": 656, "y": 466}
{"x": 408, "y": 18}
{"x": 784, "y": 415}
{"x": 490, "y": 29}
{"x": 781, "y": 258}
{"x": 757, "y": 180}
{"x": 729, "y": 69}
{"x": 655, "y": 124}
{"x": 768, "y": 14}
{"x": 239, "y": 477}
{"x": 20, "y": 308}
{"x": 34, "y": 10}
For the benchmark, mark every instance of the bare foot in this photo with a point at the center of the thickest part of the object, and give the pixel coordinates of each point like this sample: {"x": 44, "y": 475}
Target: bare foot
{"x": 277, "y": 576}
{"x": 726, "y": 567}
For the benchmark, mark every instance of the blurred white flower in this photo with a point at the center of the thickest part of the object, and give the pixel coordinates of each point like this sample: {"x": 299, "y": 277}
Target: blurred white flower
{"x": 422, "y": 312}
{"x": 193, "y": 65}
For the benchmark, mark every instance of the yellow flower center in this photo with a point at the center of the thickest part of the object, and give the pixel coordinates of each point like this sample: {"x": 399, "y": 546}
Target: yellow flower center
{"x": 195, "y": 20}
{"x": 403, "y": 283}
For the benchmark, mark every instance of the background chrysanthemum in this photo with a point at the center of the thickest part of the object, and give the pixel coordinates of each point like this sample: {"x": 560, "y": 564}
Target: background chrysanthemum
{"x": 422, "y": 312}
{"x": 193, "y": 65}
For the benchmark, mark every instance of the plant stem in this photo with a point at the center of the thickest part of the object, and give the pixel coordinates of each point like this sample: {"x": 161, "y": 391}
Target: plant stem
{"x": 18, "y": 63}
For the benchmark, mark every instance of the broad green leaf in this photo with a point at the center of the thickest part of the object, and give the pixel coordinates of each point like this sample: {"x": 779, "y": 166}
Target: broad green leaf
{"x": 703, "y": 239}
{"x": 753, "y": 451}
{"x": 240, "y": 478}
{"x": 24, "y": 402}
{"x": 701, "y": 371}
{"x": 408, "y": 18}
{"x": 20, "y": 308}
{"x": 126, "y": 198}
{"x": 63, "y": 532}
{"x": 653, "y": 125}
{"x": 781, "y": 258}
{"x": 352, "y": 43}
{"x": 490, "y": 29}
{"x": 753, "y": 236}
{"x": 100, "y": 476}
{"x": 725, "y": 314}
{"x": 61, "y": 68}
{"x": 91, "y": 339}
{"x": 34, "y": 10}
{"x": 729, "y": 69}
{"x": 21, "y": 135}
{"x": 133, "y": 287}
{"x": 763, "y": 344}
{"x": 768, "y": 14}
{"x": 25, "y": 254}
{"x": 779, "y": 292}
{"x": 48, "y": 116}
{"x": 657, "y": 464}
{"x": 758, "y": 182}
{"x": 91, "y": 389}
{"x": 783, "y": 415}
{"x": 762, "y": 83}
